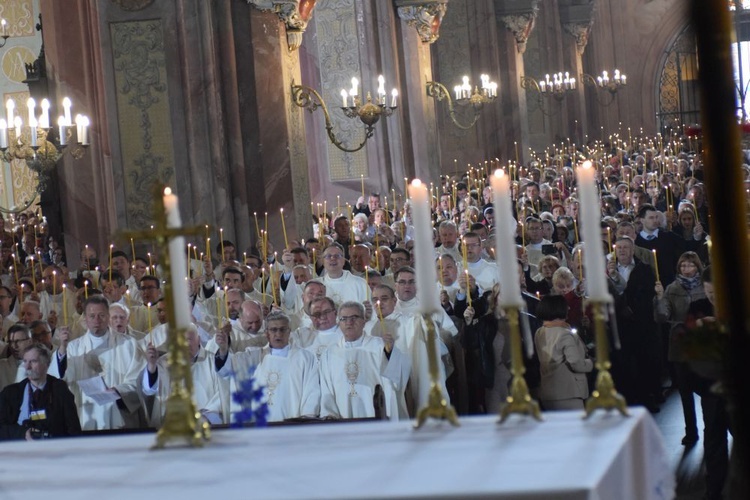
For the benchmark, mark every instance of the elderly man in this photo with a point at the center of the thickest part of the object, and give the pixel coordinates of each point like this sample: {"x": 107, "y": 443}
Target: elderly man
{"x": 340, "y": 284}
{"x": 41, "y": 334}
{"x": 30, "y": 311}
{"x": 210, "y": 392}
{"x": 119, "y": 318}
{"x": 11, "y": 369}
{"x": 246, "y": 332}
{"x": 289, "y": 374}
{"x": 353, "y": 368}
{"x": 448, "y": 233}
{"x": 448, "y": 285}
{"x": 359, "y": 258}
{"x": 105, "y": 360}
{"x": 41, "y": 405}
{"x": 324, "y": 330}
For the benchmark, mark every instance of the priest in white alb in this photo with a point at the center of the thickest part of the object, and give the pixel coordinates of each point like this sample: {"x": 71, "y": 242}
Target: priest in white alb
{"x": 324, "y": 331}
{"x": 341, "y": 285}
{"x": 288, "y": 374}
{"x": 353, "y": 369}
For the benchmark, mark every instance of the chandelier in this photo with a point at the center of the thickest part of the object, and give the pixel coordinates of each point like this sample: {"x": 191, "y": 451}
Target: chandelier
{"x": 464, "y": 97}
{"x": 603, "y": 83}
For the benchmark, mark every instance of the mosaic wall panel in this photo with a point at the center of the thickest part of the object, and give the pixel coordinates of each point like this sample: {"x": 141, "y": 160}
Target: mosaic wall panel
{"x": 142, "y": 114}
{"x": 338, "y": 49}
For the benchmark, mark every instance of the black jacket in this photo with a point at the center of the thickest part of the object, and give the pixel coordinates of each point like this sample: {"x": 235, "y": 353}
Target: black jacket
{"x": 59, "y": 403}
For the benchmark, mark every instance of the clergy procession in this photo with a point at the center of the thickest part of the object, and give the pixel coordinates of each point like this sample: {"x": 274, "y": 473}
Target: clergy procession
{"x": 333, "y": 328}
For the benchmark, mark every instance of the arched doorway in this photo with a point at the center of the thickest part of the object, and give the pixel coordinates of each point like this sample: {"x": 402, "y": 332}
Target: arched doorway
{"x": 678, "y": 98}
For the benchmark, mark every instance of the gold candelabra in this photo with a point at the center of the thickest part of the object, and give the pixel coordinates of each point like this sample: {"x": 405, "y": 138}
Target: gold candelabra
{"x": 368, "y": 111}
{"x": 464, "y": 97}
{"x": 603, "y": 83}
{"x": 38, "y": 143}
{"x": 604, "y": 396}
{"x": 181, "y": 421}
{"x": 437, "y": 406}
{"x": 519, "y": 401}
{"x": 559, "y": 86}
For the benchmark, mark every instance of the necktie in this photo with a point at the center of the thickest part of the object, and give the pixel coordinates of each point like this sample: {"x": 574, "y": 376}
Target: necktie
{"x": 651, "y": 237}
{"x": 37, "y": 399}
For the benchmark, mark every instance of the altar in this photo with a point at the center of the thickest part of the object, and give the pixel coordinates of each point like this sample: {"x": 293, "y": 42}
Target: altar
{"x": 606, "y": 457}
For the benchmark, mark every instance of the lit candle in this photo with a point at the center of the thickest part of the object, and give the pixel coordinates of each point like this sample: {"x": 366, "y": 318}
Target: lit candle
{"x": 226, "y": 303}
{"x": 177, "y": 257}
{"x": 148, "y": 313}
{"x": 394, "y": 98}
{"x": 44, "y": 118}
{"x": 64, "y": 306}
{"x": 54, "y": 283}
{"x": 468, "y": 289}
{"x": 590, "y": 211}
{"x": 10, "y": 105}
{"x": 221, "y": 240}
{"x": 283, "y": 228}
{"x": 344, "y": 98}
{"x": 3, "y": 134}
{"x": 31, "y": 104}
{"x": 423, "y": 246}
{"x": 362, "y": 180}
{"x": 33, "y": 273}
{"x": 66, "y": 107}
{"x": 110, "y": 261}
{"x": 505, "y": 247}
{"x": 656, "y": 265}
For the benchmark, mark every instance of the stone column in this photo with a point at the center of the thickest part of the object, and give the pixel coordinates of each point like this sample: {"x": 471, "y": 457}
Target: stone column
{"x": 422, "y": 19}
{"x": 515, "y": 19}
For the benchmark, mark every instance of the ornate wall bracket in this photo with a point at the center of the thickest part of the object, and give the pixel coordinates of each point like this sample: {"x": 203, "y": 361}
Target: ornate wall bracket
{"x": 294, "y": 13}
{"x": 581, "y": 32}
{"x": 521, "y": 26}
{"x": 424, "y": 15}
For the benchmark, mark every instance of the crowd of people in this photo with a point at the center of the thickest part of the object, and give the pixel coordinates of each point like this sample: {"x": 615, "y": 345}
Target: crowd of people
{"x": 331, "y": 326}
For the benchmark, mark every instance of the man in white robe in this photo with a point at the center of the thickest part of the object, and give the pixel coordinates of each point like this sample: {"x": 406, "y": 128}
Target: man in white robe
{"x": 210, "y": 392}
{"x": 311, "y": 290}
{"x": 324, "y": 330}
{"x": 483, "y": 272}
{"x": 106, "y": 354}
{"x": 51, "y": 298}
{"x": 246, "y": 331}
{"x": 341, "y": 285}
{"x": 157, "y": 335}
{"x": 447, "y": 285}
{"x": 351, "y": 370}
{"x": 141, "y": 315}
{"x": 288, "y": 374}
{"x": 448, "y": 233}
{"x": 119, "y": 315}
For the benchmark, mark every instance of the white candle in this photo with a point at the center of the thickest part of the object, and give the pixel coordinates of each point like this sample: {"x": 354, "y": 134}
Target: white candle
{"x": 17, "y": 122}
{"x": 84, "y": 138}
{"x": 344, "y": 96}
{"x": 424, "y": 250}
{"x": 178, "y": 263}
{"x": 505, "y": 244}
{"x": 394, "y": 97}
{"x": 61, "y": 126}
{"x": 44, "y": 119}
{"x": 593, "y": 256}
{"x": 79, "y": 126}
{"x": 10, "y": 105}
{"x": 66, "y": 107}
{"x": 31, "y": 104}
{"x": 3, "y": 134}
{"x": 33, "y": 132}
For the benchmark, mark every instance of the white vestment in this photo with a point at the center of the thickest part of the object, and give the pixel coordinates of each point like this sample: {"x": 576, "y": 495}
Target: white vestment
{"x": 49, "y": 302}
{"x": 484, "y": 273}
{"x": 119, "y": 361}
{"x": 350, "y": 372}
{"x": 210, "y": 392}
{"x": 289, "y": 377}
{"x": 157, "y": 336}
{"x": 315, "y": 341}
{"x": 139, "y": 320}
{"x": 347, "y": 287}
{"x": 239, "y": 339}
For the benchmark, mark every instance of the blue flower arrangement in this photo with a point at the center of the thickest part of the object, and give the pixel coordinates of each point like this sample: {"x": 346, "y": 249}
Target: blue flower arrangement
{"x": 250, "y": 396}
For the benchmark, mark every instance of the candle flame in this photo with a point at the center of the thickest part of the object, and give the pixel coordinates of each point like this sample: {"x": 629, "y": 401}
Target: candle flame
{"x": 167, "y": 191}
{"x": 415, "y": 183}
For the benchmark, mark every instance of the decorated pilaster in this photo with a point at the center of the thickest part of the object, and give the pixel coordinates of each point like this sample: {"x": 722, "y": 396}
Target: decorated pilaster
{"x": 515, "y": 18}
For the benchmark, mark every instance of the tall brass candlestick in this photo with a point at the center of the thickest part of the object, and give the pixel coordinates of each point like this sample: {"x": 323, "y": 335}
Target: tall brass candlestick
{"x": 518, "y": 401}
{"x": 604, "y": 396}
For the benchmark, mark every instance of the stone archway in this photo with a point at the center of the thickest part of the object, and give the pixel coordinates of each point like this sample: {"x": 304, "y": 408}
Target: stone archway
{"x": 677, "y": 99}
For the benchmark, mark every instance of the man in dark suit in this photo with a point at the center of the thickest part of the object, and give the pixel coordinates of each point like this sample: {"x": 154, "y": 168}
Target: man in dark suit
{"x": 668, "y": 245}
{"x": 41, "y": 405}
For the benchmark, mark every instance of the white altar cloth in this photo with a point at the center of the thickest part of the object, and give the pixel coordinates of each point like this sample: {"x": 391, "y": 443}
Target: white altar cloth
{"x": 564, "y": 457}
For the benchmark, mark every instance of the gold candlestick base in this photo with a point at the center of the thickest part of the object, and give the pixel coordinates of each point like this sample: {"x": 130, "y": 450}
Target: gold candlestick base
{"x": 519, "y": 401}
{"x": 182, "y": 423}
{"x": 437, "y": 406}
{"x": 605, "y": 396}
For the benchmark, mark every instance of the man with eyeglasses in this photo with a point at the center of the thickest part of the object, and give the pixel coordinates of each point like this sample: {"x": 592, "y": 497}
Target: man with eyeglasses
{"x": 341, "y": 285}
{"x": 288, "y": 373}
{"x": 150, "y": 293}
{"x": 246, "y": 331}
{"x": 11, "y": 368}
{"x": 353, "y": 368}
{"x": 324, "y": 331}
{"x": 103, "y": 353}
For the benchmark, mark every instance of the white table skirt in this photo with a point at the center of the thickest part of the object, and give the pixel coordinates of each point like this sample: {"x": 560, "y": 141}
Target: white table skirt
{"x": 564, "y": 457}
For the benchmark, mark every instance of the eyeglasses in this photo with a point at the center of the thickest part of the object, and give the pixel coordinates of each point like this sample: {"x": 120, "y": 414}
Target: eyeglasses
{"x": 17, "y": 341}
{"x": 406, "y": 282}
{"x": 322, "y": 314}
{"x": 347, "y": 319}
{"x": 283, "y": 329}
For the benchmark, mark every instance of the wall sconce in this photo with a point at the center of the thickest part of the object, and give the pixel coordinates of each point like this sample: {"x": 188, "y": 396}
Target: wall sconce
{"x": 3, "y": 32}
{"x": 368, "y": 111}
{"x": 38, "y": 142}
{"x": 464, "y": 96}
{"x": 558, "y": 87}
{"x": 604, "y": 82}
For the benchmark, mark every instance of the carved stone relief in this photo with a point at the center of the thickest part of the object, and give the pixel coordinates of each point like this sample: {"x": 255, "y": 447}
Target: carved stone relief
{"x": 424, "y": 15}
{"x": 294, "y": 13}
{"x": 581, "y": 32}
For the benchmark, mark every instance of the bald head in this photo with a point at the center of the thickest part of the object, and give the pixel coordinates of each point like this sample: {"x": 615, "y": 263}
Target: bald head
{"x": 251, "y": 317}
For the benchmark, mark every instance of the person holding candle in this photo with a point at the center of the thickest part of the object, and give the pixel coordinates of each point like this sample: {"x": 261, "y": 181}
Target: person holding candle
{"x": 101, "y": 352}
{"x": 668, "y": 246}
{"x": 448, "y": 236}
{"x": 691, "y": 231}
{"x": 119, "y": 317}
{"x": 246, "y": 330}
{"x": 671, "y": 306}
{"x": 341, "y": 285}
{"x": 483, "y": 272}
{"x": 324, "y": 330}
{"x": 120, "y": 263}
